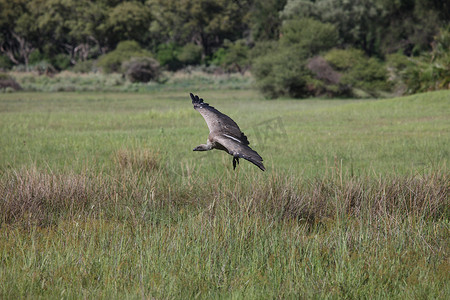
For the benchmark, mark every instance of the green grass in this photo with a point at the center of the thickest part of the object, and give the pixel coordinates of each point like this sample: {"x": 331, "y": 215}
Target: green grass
{"x": 402, "y": 135}
{"x": 102, "y": 196}
{"x": 66, "y": 81}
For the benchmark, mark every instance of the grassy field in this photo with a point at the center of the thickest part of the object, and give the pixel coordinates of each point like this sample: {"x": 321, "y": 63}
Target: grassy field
{"x": 102, "y": 196}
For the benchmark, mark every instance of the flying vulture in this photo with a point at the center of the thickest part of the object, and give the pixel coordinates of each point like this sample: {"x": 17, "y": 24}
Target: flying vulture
{"x": 225, "y": 134}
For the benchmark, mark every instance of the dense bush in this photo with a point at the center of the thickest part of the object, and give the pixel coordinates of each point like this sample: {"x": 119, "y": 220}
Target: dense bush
{"x": 326, "y": 81}
{"x": 309, "y": 34}
{"x": 233, "y": 57}
{"x": 84, "y": 66}
{"x": 8, "y": 83}
{"x": 283, "y": 72}
{"x": 283, "y": 69}
{"x": 112, "y": 61}
{"x": 174, "y": 57}
{"x": 5, "y": 63}
{"x": 190, "y": 54}
{"x": 167, "y": 55}
{"x": 359, "y": 71}
{"x": 430, "y": 71}
{"x": 263, "y": 48}
{"x": 141, "y": 69}
{"x": 58, "y": 62}
{"x": 36, "y": 57}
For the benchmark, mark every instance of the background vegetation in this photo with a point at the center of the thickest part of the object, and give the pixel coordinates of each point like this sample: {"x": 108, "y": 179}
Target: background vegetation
{"x": 291, "y": 46}
{"x": 102, "y": 196}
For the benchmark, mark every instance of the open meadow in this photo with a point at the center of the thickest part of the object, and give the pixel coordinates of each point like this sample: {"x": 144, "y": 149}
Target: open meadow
{"x": 102, "y": 196}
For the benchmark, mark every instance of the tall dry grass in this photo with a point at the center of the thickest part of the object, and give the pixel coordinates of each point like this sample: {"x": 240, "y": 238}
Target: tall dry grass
{"x": 139, "y": 185}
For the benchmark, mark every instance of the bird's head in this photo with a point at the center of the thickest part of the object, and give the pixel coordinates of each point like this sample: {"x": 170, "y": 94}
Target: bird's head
{"x": 202, "y": 148}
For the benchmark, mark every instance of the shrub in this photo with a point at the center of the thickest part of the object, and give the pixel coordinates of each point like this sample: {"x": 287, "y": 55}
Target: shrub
{"x": 190, "y": 54}
{"x": 359, "y": 71}
{"x": 128, "y": 46}
{"x": 141, "y": 69}
{"x": 282, "y": 69}
{"x": 233, "y": 57}
{"x": 60, "y": 62}
{"x": 344, "y": 59}
{"x": 282, "y": 73}
{"x": 218, "y": 57}
{"x": 326, "y": 79}
{"x": 36, "y": 56}
{"x": 263, "y": 48}
{"x": 43, "y": 67}
{"x": 167, "y": 55}
{"x": 112, "y": 61}
{"x": 7, "y": 83}
{"x": 5, "y": 63}
{"x": 83, "y": 66}
{"x": 430, "y": 71}
{"x": 311, "y": 35}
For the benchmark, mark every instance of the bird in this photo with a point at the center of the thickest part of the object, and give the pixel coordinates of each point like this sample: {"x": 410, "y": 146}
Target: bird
{"x": 225, "y": 134}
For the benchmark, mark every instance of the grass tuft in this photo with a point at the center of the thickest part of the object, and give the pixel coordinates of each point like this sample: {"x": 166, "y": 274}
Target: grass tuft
{"x": 43, "y": 197}
{"x": 144, "y": 160}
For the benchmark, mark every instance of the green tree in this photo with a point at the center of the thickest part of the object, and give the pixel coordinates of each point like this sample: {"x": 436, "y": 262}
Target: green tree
{"x": 376, "y": 26}
{"x": 309, "y": 34}
{"x": 16, "y": 31}
{"x": 190, "y": 54}
{"x": 69, "y": 26}
{"x": 126, "y": 50}
{"x": 355, "y": 21}
{"x": 129, "y": 20}
{"x": 358, "y": 70}
{"x": 282, "y": 73}
{"x": 265, "y": 21}
{"x": 206, "y": 23}
{"x": 167, "y": 55}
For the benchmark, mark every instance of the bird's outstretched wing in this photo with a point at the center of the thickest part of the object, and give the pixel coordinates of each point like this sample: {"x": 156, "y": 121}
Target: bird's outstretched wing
{"x": 218, "y": 122}
{"x": 240, "y": 150}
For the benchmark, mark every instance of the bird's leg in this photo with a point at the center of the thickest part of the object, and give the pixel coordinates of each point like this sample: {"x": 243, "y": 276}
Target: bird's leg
{"x": 235, "y": 159}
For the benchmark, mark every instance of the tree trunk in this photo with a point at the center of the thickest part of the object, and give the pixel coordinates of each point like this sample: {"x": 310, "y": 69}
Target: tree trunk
{"x": 25, "y": 48}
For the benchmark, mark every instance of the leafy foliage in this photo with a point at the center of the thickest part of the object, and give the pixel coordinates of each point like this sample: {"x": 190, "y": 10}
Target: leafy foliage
{"x": 129, "y": 20}
{"x": 431, "y": 71}
{"x": 8, "y": 83}
{"x": 309, "y": 34}
{"x": 233, "y": 57}
{"x": 207, "y": 23}
{"x": 141, "y": 69}
{"x": 359, "y": 71}
{"x": 190, "y": 54}
{"x": 64, "y": 33}
{"x": 265, "y": 21}
{"x": 167, "y": 55}
{"x": 112, "y": 61}
{"x": 283, "y": 73}
{"x": 282, "y": 70}
{"x": 376, "y": 27}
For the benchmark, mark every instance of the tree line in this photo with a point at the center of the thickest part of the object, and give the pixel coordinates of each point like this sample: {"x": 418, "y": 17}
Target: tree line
{"x": 233, "y": 34}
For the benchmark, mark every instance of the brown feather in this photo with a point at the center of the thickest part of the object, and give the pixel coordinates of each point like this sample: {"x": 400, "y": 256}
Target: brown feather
{"x": 217, "y": 121}
{"x": 225, "y": 134}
